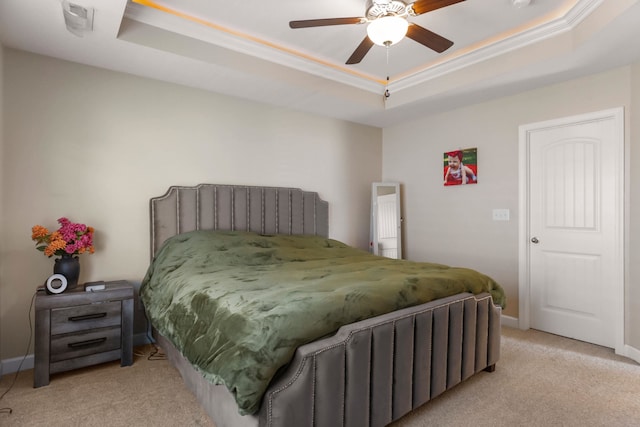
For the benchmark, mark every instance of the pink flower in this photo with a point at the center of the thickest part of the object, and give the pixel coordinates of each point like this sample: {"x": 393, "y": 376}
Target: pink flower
{"x": 71, "y": 238}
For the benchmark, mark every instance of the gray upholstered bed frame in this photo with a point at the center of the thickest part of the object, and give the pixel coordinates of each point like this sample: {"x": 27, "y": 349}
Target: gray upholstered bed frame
{"x": 369, "y": 373}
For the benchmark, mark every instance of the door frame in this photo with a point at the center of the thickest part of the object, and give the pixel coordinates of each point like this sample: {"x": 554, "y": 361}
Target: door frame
{"x": 525, "y": 131}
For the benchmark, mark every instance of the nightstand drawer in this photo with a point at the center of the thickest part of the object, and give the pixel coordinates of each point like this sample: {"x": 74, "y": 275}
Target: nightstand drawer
{"x": 84, "y": 343}
{"x": 76, "y": 328}
{"x": 82, "y": 317}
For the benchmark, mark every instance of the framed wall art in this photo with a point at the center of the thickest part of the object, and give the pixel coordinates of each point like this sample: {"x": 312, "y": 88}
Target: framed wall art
{"x": 461, "y": 167}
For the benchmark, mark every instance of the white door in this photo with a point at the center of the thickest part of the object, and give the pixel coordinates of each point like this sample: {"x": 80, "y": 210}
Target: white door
{"x": 574, "y": 236}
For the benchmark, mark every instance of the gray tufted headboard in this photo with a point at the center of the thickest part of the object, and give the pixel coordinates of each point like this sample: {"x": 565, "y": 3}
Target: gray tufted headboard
{"x": 266, "y": 210}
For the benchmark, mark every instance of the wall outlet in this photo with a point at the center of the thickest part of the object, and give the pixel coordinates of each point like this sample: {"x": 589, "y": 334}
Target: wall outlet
{"x": 501, "y": 214}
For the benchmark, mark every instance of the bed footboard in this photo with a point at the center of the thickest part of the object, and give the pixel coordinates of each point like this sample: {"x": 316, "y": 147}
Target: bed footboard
{"x": 370, "y": 373}
{"x": 373, "y": 372}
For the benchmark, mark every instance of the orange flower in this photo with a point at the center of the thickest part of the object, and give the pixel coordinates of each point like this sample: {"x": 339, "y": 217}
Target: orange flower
{"x": 38, "y": 233}
{"x": 71, "y": 238}
{"x": 54, "y": 245}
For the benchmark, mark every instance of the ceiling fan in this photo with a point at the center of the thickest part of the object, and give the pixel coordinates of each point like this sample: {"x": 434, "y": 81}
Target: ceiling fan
{"x": 388, "y": 25}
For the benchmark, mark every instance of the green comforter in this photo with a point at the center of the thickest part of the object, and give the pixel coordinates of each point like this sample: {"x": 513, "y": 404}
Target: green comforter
{"x": 237, "y": 304}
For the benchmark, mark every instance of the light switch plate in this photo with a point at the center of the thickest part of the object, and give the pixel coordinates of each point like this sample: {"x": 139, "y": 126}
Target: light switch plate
{"x": 501, "y": 215}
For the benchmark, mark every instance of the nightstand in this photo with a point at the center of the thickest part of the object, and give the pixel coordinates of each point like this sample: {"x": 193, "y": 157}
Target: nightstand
{"x": 76, "y": 328}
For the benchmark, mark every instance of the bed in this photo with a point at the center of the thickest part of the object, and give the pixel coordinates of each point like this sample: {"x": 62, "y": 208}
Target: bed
{"x": 379, "y": 361}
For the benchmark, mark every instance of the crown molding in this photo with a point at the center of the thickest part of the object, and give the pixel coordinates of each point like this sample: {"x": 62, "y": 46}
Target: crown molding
{"x": 550, "y": 29}
{"x": 236, "y": 41}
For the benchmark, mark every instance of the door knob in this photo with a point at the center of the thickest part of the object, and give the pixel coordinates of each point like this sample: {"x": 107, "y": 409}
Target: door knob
{"x": 534, "y": 240}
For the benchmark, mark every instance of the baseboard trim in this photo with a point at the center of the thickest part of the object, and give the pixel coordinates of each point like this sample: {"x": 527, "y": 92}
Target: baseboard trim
{"x": 509, "y": 321}
{"x": 631, "y": 352}
{"x": 10, "y": 366}
{"x": 141, "y": 339}
{"x": 627, "y": 351}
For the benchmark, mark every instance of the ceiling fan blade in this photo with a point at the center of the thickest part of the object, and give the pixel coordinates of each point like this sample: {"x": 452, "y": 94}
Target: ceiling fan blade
{"x": 428, "y": 38}
{"x": 362, "y": 49}
{"x": 424, "y": 6}
{"x": 325, "y": 22}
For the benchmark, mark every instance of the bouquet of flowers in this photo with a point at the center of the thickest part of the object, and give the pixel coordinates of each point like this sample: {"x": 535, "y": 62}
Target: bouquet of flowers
{"x": 70, "y": 239}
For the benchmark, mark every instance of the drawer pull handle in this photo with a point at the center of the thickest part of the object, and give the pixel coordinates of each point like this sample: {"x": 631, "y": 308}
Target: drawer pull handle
{"x": 87, "y": 343}
{"x": 87, "y": 317}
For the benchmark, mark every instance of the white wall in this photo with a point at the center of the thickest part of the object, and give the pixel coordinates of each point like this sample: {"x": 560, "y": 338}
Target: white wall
{"x": 632, "y": 214}
{"x": 453, "y": 225}
{"x": 95, "y": 145}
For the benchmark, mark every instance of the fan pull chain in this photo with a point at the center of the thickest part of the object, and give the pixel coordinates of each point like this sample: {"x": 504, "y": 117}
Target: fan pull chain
{"x": 387, "y": 94}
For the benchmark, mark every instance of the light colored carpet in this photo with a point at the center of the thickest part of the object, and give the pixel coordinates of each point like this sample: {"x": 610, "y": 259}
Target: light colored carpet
{"x": 541, "y": 380}
{"x": 148, "y": 393}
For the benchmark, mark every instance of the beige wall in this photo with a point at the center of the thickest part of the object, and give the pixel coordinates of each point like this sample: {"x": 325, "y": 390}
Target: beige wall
{"x": 1, "y": 199}
{"x": 95, "y": 145}
{"x": 454, "y": 225}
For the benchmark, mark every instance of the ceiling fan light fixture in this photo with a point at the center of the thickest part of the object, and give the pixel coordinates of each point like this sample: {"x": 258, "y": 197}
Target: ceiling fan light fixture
{"x": 520, "y": 3}
{"x": 387, "y": 30}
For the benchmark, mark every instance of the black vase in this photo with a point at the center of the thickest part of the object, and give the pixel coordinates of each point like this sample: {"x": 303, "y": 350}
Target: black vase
{"x": 69, "y": 267}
